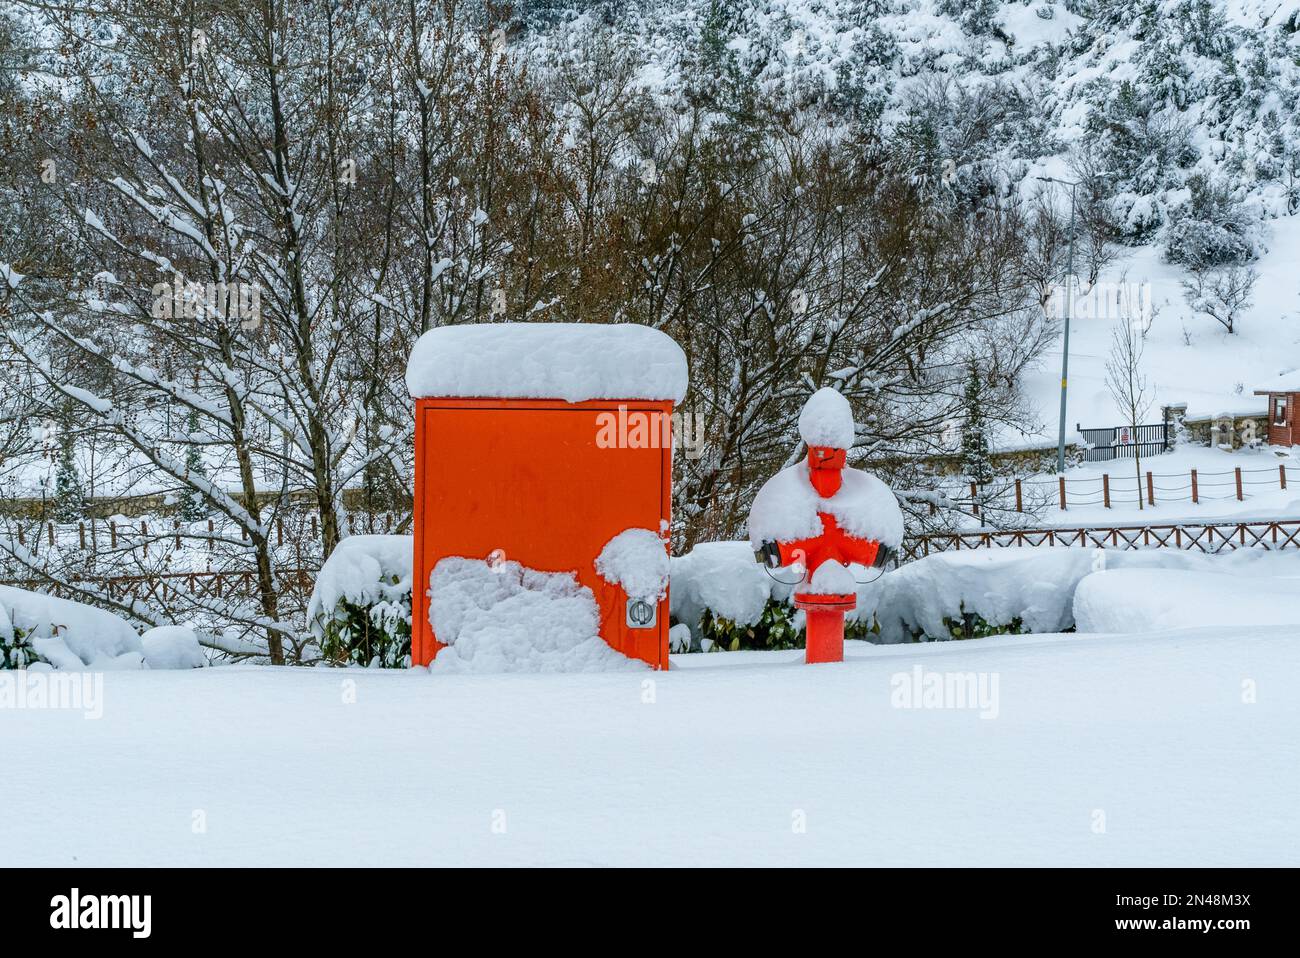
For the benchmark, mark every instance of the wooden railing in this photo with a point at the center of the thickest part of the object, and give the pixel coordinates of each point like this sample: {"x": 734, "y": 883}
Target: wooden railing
{"x": 168, "y": 587}
{"x": 1208, "y": 537}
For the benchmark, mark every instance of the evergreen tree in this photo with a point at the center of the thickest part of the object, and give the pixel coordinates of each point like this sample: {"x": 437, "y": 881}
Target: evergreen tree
{"x": 69, "y": 495}
{"x": 975, "y": 461}
{"x": 193, "y": 506}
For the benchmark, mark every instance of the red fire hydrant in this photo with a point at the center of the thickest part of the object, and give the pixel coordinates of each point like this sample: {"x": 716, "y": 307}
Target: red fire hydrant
{"x": 819, "y": 517}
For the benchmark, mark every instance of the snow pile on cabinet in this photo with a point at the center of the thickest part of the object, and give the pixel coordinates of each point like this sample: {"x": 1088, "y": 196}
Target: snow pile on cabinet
{"x": 570, "y": 361}
{"x": 503, "y": 617}
{"x": 637, "y": 561}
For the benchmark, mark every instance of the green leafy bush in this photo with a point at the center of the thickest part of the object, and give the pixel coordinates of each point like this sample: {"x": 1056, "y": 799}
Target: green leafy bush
{"x": 775, "y": 629}
{"x": 17, "y": 652}
{"x": 971, "y": 625}
{"x": 370, "y": 635}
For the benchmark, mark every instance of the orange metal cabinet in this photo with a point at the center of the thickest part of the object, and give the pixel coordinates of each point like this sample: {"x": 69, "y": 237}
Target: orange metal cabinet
{"x": 529, "y": 478}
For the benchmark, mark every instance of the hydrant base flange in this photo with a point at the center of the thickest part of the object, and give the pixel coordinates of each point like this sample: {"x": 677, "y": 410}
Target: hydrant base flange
{"x": 824, "y": 628}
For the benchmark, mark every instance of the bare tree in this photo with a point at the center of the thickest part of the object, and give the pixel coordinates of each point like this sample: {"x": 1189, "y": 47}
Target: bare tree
{"x": 1125, "y": 380}
{"x": 1222, "y": 294}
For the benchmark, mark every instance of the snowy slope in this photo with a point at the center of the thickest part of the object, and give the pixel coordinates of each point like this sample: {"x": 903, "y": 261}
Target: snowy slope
{"x": 1147, "y": 737}
{"x": 1224, "y": 84}
{"x": 1189, "y": 358}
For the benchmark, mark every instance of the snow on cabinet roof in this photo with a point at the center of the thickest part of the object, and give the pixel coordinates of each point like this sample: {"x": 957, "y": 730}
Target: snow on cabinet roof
{"x": 570, "y": 361}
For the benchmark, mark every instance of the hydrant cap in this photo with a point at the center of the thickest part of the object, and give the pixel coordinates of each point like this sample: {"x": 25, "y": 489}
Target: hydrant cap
{"x": 827, "y": 420}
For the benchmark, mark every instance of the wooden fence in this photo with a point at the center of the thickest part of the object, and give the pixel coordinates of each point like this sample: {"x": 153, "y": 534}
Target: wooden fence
{"x": 1207, "y": 537}
{"x": 167, "y": 587}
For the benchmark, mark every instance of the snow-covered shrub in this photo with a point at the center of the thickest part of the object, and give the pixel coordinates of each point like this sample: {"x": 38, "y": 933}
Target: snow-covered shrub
{"x": 1200, "y": 243}
{"x": 37, "y": 628}
{"x": 1019, "y": 589}
{"x": 972, "y": 625}
{"x": 1211, "y": 229}
{"x": 730, "y": 602}
{"x": 1130, "y": 600}
{"x": 360, "y": 608}
{"x": 1137, "y": 218}
{"x": 16, "y": 650}
{"x": 172, "y": 647}
{"x": 981, "y": 592}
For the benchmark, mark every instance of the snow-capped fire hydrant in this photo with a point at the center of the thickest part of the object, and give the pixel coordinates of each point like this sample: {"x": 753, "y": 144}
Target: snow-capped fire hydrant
{"x": 821, "y": 518}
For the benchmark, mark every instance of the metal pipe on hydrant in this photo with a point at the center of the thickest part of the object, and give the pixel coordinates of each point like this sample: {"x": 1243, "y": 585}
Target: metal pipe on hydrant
{"x": 819, "y": 517}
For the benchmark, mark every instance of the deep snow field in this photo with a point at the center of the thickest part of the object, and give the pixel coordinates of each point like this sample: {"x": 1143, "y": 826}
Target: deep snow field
{"x": 1094, "y": 751}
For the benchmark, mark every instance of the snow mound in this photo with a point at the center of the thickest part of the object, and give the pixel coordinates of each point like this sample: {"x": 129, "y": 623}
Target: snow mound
{"x": 637, "y": 560}
{"x": 1050, "y": 587}
{"x": 364, "y": 570}
{"x": 1148, "y": 600}
{"x": 827, "y": 420}
{"x": 507, "y": 618}
{"x": 172, "y": 647}
{"x": 66, "y": 634}
{"x": 724, "y": 578}
{"x": 786, "y": 508}
{"x": 1031, "y": 584}
{"x": 569, "y": 361}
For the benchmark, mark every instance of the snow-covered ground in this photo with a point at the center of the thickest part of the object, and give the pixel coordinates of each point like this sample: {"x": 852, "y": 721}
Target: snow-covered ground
{"x": 1189, "y": 358}
{"x": 1263, "y": 495}
{"x": 1172, "y": 748}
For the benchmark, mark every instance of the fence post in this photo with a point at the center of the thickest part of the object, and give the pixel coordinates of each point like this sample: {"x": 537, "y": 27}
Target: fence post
{"x": 212, "y": 530}
{"x": 1105, "y": 489}
{"x": 49, "y": 526}
{"x": 81, "y": 531}
{"x": 1151, "y": 489}
{"x": 975, "y": 500}
{"x": 1061, "y": 482}
{"x": 1238, "y": 474}
{"x": 176, "y": 523}
{"x": 112, "y": 534}
{"x": 1281, "y": 475}
{"x": 1020, "y": 503}
{"x": 1195, "y": 497}
{"x": 144, "y": 535}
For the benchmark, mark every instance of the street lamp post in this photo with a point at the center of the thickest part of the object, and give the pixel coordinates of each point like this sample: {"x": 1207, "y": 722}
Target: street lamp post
{"x": 1065, "y": 342}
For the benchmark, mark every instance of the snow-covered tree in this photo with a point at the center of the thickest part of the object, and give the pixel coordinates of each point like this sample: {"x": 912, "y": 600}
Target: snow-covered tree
{"x": 1126, "y": 380}
{"x": 69, "y": 493}
{"x": 976, "y": 464}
